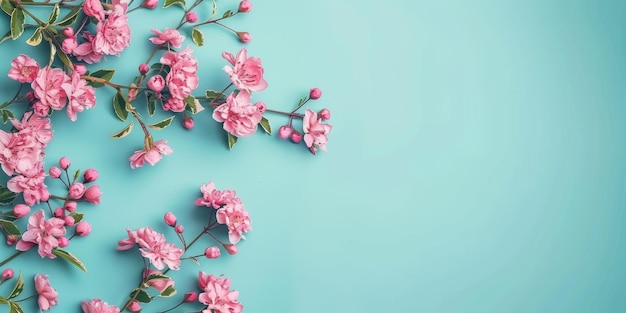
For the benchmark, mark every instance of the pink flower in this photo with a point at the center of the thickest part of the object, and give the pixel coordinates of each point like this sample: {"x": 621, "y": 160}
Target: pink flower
{"x": 83, "y": 229}
{"x": 245, "y": 6}
{"x": 237, "y": 219}
{"x": 76, "y": 190}
{"x": 191, "y": 17}
{"x": 43, "y": 233}
{"x": 212, "y": 197}
{"x": 48, "y": 87}
{"x": 85, "y": 51}
{"x": 169, "y": 36}
{"x": 150, "y": 4}
{"x": 90, "y": 175}
{"x": 324, "y": 114}
{"x": 156, "y": 83}
{"x": 153, "y": 246}
{"x": 285, "y": 131}
{"x": 47, "y": 295}
{"x": 93, "y": 194}
{"x": 150, "y": 156}
{"x": 21, "y": 210}
{"x": 81, "y": 95}
{"x": 69, "y": 44}
{"x": 246, "y": 73}
{"x": 217, "y": 296}
{"x": 7, "y": 274}
{"x": 212, "y": 252}
{"x": 315, "y": 94}
{"x": 174, "y": 105}
{"x": 190, "y": 297}
{"x": 23, "y": 69}
{"x": 239, "y": 116}
{"x": 314, "y": 131}
{"x": 98, "y": 306}
{"x": 170, "y": 219}
{"x": 182, "y": 78}
{"x": 31, "y": 183}
{"x": 158, "y": 284}
{"x": 94, "y": 8}
{"x": 112, "y": 34}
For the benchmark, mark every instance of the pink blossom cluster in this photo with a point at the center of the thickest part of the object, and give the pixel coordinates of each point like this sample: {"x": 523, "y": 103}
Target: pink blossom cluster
{"x": 230, "y": 210}
{"x": 181, "y": 80}
{"x": 98, "y": 306}
{"x": 217, "y": 295}
{"x": 44, "y": 233}
{"x": 154, "y": 247}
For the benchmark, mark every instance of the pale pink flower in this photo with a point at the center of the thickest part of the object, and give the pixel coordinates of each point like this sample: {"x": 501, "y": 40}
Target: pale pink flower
{"x": 23, "y": 150}
{"x": 94, "y": 8}
{"x": 47, "y": 295}
{"x": 112, "y": 34}
{"x": 156, "y": 83}
{"x": 237, "y": 219}
{"x": 81, "y": 95}
{"x": 69, "y": 44}
{"x": 98, "y": 306}
{"x": 85, "y": 51}
{"x": 76, "y": 190}
{"x": 246, "y": 73}
{"x": 182, "y": 78}
{"x": 43, "y": 233}
{"x": 239, "y": 116}
{"x": 158, "y": 284}
{"x": 151, "y": 156}
{"x": 153, "y": 246}
{"x": 48, "y": 87}
{"x": 174, "y": 105}
{"x": 212, "y": 197}
{"x": 30, "y": 183}
{"x": 23, "y": 69}
{"x": 33, "y": 129}
{"x": 170, "y": 36}
{"x": 217, "y": 296}
{"x": 315, "y": 131}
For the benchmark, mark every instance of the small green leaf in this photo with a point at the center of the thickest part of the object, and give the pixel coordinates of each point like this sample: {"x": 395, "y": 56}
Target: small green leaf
{"x": 6, "y": 37}
{"x": 162, "y": 124}
{"x": 156, "y": 66}
{"x": 120, "y": 110}
{"x": 193, "y": 105}
{"x": 232, "y": 140}
{"x": 76, "y": 174}
{"x": 265, "y": 124}
{"x": 168, "y": 292}
{"x": 197, "y": 37}
{"x": 9, "y": 228}
{"x": 2, "y": 299}
{"x": 53, "y": 51}
{"x": 152, "y": 102}
{"x": 65, "y": 59}
{"x": 214, "y": 10}
{"x": 70, "y": 258}
{"x": 227, "y": 14}
{"x": 172, "y": 2}
{"x": 7, "y": 7}
{"x": 6, "y": 196}
{"x": 124, "y": 131}
{"x": 15, "y": 307}
{"x": 142, "y": 296}
{"x": 70, "y": 17}
{"x": 35, "y": 39}
{"x": 54, "y": 14}
{"x": 105, "y": 74}
{"x": 17, "y": 23}
{"x": 18, "y": 288}
{"x": 6, "y": 116}
{"x": 214, "y": 95}
{"x": 77, "y": 216}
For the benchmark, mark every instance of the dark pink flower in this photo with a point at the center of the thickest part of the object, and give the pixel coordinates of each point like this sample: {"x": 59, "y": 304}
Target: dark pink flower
{"x": 43, "y": 233}
{"x": 246, "y": 73}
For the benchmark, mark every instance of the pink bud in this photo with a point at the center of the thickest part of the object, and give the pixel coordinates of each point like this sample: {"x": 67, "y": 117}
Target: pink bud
{"x": 64, "y": 163}
{"x": 76, "y": 191}
{"x": 45, "y": 195}
{"x": 11, "y": 239}
{"x": 93, "y": 194}
{"x": 7, "y": 274}
{"x": 90, "y": 175}
{"x": 156, "y": 83}
{"x": 143, "y": 68}
{"x": 30, "y": 96}
{"x": 69, "y": 44}
{"x": 63, "y": 242}
{"x": 230, "y": 248}
{"x": 261, "y": 107}
{"x": 244, "y": 37}
{"x": 191, "y": 17}
{"x": 132, "y": 92}
{"x": 245, "y": 6}
{"x": 54, "y": 172}
{"x": 315, "y": 94}
{"x": 188, "y": 121}
{"x": 68, "y": 32}
{"x": 170, "y": 219}
{"x": 59, "y": 213}
{"x": 296, "y": 136}
{"x": 150, "y": 4}
{"x": 179, "y": 229}
{"x": 190, "y": 297}
{"x": 81, "y": 69}
{"x": 70, "y": 206}
{"x": 83, "y": 229}
{"x": 324, "y": 114}
{"x": 21, "y": 210}
{"x": 284, "y": 131}
{"x": 134, "y": 306}
{"x": 69, "y": 221}
{"x": 212, "y": 252}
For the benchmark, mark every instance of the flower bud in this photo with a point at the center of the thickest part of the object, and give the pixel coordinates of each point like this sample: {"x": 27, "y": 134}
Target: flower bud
{"x": 212, "y": 252}
{"x": 150, "y": 4}
{"x": 245, "y": 6}
{"x": 179, "y": 229}
{"x": 244, "y": 37}
{"x": 83, "y": 229}
{"x": 296, "y": 136}
{"x": 63, "y": 242}
{"x": 93, "y": 194}
{"x": 64, "y": 163}
{"x": 76, "y": 191}
{"x": 21, "y": 210}
{"x": 191, "y": 17}
{"x": 90, "y": 175}
{"x": 315, "y": 94}
{"x": 68, "y": 32}
{"x": 231, "y": 248}
{"x": 70, "y": 206}
{"x": 261, "y": 107}
{"x": 69, "y": 221}
{"x": 324, "y": 114}
{"x": 30, "y": 96}
{"x": 190, "y": 297}
{"x": 156, "y": 83}
{"x": 54, "y": 172}
{"x": 143, "y": 68}
{"x": 188, "y": 121}
{"x": 284, "y": 131}
{"x": 7, "y": 274}
{"x": 59, "y": 213}
{"x": 81, "y": 69}
{"x": 45, "y": 195}
{"x": 134, "y": 306}
{"x": 170, "y": 219}
{"x": 11, "y": 240}
{"x": 69, "y": 44}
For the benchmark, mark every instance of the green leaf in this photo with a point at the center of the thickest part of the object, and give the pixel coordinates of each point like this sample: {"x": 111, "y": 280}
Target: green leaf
{"x": 162, "y": 124}
{"x": 70, "y": 258}
{"x": 124, "y": 131}
{"x": 120, "y": 110}
{"x": 15, "y": 307}
{"x": 76, "y": 174}
{"x": 197, "y": 37}
{"x": 77, "y": 216}
{"x": 6, "y": 37}
{"x": 6, "y": 115}
{"x": 172, "y": 2}
{"x": 65, "y": 59}
{"x": 156, "y": 66}
{"x": 168, "y": 292}
{"x": 70, "y": 17}
{"x": 7, "y": 7}
{"x": 214, "y": 95}
{"x": 142, "y": 296}
{"x": 227, "y": 14}
{"x": 9, "y": 228}
{"x": 156, "y": 276}
{"x": 17, "y": 23}
{"x": 6, "y": 196}
{"x": 105, "y": 74}
{"x": 2, "y": 299}
{"x": 265, "y": 124}
{"x": 18, "y": 288}
{"x": 232, "y": 140}
{"x": 214, "y": 10}
{"x": 53, "y": 51}
{"x": 193, "y": 105}
{"x": 35, "y": 39}
{"x": 152, "y": 101}
{"x": 54, "y": 14}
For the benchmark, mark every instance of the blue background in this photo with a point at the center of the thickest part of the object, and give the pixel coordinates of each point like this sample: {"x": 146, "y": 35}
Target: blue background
{"x": 476, "y": 162}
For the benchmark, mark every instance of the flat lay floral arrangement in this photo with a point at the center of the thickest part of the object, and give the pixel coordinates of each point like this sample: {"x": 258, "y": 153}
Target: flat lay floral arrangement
{"x": 79, "y": 38}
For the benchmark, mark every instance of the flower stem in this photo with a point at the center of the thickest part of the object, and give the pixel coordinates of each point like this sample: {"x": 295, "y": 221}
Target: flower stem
{"x": 213, "y": 102}
{"x": 7, "y": 260}
{"x": 292, "y": 114}
{"x": 135, "y": 294}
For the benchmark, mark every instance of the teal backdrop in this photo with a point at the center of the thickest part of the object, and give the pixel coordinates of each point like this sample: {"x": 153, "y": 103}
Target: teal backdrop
{"x": 476, "y": 162}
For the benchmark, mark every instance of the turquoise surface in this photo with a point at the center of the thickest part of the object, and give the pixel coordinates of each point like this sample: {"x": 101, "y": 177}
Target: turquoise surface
{"x": 476, "y": 162}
